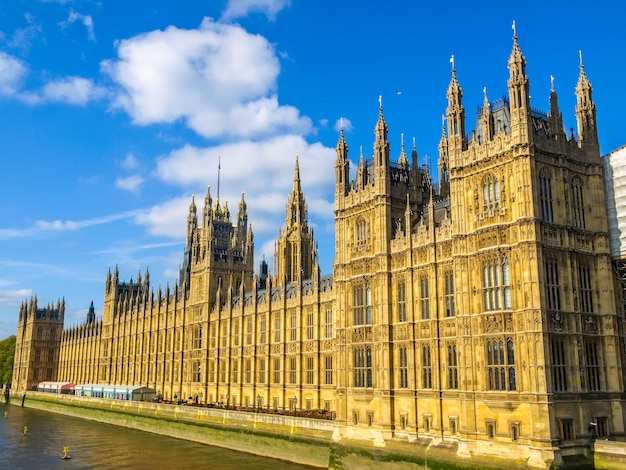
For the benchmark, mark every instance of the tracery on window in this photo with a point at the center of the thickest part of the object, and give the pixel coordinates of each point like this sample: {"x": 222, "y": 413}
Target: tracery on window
{"x": 545, "y": 195}
{"x": 497, "y": 284}
{"x": 491, "y": 193}
{"x": 363, "y": 367}
{"x": 362, "y": 306}
{"x": 361, "y": 231}
{"x": 501, "y": 373}
{"x": 578, "y": 207}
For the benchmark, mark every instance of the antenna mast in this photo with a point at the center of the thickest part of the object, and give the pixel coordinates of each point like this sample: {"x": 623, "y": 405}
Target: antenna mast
{"x": 219, "y": 167}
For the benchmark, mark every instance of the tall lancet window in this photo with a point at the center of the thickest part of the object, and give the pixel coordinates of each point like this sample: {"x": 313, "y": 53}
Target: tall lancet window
{"x": 578, "y": 207}
{"x": 362, "y": 306}
{"x": 545, "y": 196}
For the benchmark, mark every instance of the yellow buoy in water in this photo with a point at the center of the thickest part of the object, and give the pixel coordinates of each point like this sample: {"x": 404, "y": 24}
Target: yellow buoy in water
{"x": 66, "y": 453}
{"x": 6, "y": 414}
{"x": 25, "y": 430}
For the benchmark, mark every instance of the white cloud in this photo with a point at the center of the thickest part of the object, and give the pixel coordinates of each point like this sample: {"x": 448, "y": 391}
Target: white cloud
{"x": 129, "y": 162}
{"x": 263, "y": 170}
{"x": 344, "y": 123}
{"x": 70, "y": 90}
{"x": 130, "y": 183}
{"x": 219, "y": 79}
{"x": 13, "y": 298}
{"x": 12, "y": 71}
{"x": 86, "y": 20}
{"x": 167, "y": 219}
{"x": 240, "y": 8}
{"x": 69, "y": 225}
{"x": 23, "y": 37}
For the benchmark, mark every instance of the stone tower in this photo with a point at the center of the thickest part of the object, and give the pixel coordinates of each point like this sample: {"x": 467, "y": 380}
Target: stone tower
{"x": 37, "y": 344}
{"x": 295, "y": 254}
{"x": 218, "y": 253}
{"x": 370, "y": 214}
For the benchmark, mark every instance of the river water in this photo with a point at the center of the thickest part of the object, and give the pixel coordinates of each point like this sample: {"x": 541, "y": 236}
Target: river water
{"x": 94, "y": 445}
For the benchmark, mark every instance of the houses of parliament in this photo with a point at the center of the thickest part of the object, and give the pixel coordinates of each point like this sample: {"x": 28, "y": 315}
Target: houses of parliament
{"x": 483, "y": 310}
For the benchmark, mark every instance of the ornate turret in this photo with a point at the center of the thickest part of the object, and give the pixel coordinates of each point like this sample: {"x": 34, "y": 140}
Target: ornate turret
{"x": 444, "y": 162}
{"x": 206, "y": 211}
{"x": 486, "y": 119}
{"x": 342, "y": 166}
{"x": 242, "y": 219}
{"x": 381, "y": 148}
{"x": 190, "y": 244}
{"x": 519, "y": 94}
{"x": 455, "y": 113}
{"x": 403, "y": 161}
{"x": 586, "y": 113}
{"x": 295, "y": 248}
{"x": 555, "y": 118}
{"x": 91, "y": 314}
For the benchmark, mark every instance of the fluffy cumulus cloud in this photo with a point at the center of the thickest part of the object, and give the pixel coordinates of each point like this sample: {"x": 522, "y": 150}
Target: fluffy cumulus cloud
{"x": 12, "y": 71}
{"x": 219, "y": 79}
{"x": 264, "y": 171}
{"x": 241, "y": 8}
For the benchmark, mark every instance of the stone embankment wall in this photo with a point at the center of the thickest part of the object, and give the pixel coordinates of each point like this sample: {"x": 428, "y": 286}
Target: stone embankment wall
{"x": 295, "y": 439}
{"x": 609, "y": 455}
{"x": 299, "y": 440}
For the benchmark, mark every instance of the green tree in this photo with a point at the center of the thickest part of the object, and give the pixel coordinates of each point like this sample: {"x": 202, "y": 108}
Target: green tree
{"x": 7, "y": 353}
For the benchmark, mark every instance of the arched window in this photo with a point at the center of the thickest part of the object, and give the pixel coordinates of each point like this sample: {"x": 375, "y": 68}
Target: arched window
{"x": 545, "y": 195}
{"x": 427, "y": 367}
{"x": 552, "y": 286}
{"x": 363, "y": 367}
{"x": 361, "y": 231}
{"x": 491, "y": 193}
{"x": 453, "y": 373}
{"x": 403, "y": 370}
{"x": 362, "y": 307}
{"x": 401, "y": 301}
{"x": 497, "y": 284}
{"x": 578, "y": 207}
{"x": 501, "y": 365}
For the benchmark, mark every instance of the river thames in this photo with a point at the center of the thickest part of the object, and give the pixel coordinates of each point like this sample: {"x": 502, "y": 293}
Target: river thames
{"x": 94, "y": 445}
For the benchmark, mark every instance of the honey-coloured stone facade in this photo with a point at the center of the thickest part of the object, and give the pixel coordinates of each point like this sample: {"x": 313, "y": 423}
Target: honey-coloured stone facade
{"x": 481, "y": 310}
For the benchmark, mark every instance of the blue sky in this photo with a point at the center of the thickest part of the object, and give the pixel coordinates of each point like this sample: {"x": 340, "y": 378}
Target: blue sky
{"x": 113, "y": 114}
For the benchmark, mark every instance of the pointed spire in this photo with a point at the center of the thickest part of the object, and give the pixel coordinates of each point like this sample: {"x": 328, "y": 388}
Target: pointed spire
{"x": 516, "y": 56}
{"x": 403, "y": 161}
{"x": 342, "y": 146}
{"x": 381, "y": 147}
{"x": 455, "y": 113}
{"x": 487, "y": 131}
{"x": 342, "y": 165}
{"x": 242, "y": 219}
{"x": 192, "y": 218}
{"x": 555, "y": 117}
{"x": 296, "y": 177}
{"x": 519, "y": 94}
{"x": 219, "y": 169}
{"x": 242, "y": 204}
{"x": 91, "y": 314}
{"x": 381, "y": 126}
{"x": 518, "y": 81}
{"x": 208, "y": 202}
{"x": 296, "y": 205}
{"x": 586, "y": 112}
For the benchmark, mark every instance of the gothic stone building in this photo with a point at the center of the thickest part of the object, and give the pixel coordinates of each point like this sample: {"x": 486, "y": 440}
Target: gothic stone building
{"x": 482, "y": 311}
